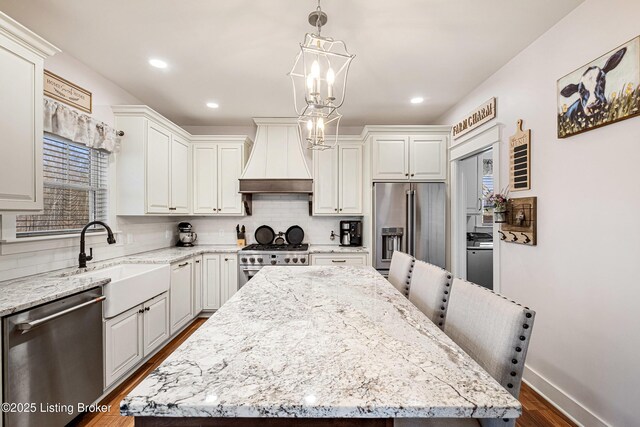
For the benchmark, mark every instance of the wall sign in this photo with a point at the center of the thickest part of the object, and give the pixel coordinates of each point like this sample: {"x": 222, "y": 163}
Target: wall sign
{"x": 64, "y": 91}
{"x": 476, "y": 118}
{"x": 602, "y": 92}
{"x": 520, "y": 159}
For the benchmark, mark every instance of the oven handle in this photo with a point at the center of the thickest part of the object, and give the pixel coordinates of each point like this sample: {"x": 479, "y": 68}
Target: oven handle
{"x": 27, "y": 326}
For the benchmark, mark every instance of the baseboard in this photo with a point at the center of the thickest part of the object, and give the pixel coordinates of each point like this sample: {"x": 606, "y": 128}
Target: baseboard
{"x": 564, "y": 403}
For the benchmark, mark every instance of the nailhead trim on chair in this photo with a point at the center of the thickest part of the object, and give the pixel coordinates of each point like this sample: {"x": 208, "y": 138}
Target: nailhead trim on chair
{"x": 407, "y": 288}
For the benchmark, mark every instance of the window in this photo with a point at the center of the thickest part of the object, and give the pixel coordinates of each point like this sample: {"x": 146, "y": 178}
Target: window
{"x": 75, "y": 190}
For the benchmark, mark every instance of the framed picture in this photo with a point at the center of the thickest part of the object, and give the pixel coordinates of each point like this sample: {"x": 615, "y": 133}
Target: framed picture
{"x": 602, "y": 92}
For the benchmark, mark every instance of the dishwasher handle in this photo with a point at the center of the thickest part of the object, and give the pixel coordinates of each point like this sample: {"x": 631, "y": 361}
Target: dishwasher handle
{"x": 27, "y": 326}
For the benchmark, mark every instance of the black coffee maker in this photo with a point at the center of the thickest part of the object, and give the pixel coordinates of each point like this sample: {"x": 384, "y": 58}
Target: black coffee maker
{"x": 351, "y": 233}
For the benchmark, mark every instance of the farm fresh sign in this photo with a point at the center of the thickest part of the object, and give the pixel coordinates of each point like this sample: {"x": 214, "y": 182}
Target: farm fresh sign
{"x": 477, "y": 118}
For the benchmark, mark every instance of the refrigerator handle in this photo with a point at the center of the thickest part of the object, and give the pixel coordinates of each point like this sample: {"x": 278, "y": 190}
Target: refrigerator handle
{"x": 411, "y": 222}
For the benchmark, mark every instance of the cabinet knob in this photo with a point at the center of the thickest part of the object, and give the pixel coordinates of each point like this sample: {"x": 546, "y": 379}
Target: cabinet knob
{"x": 412, "y": 174}
{"x": 141, "y": 311}
{"x": 214, "y": 209}
{"x": 406, "y": 174}
{"x": 147, "y": 309}
{"x": 172, "y": 209}
{"x": 340, "y": 209}
{"x": 336, "y": 209}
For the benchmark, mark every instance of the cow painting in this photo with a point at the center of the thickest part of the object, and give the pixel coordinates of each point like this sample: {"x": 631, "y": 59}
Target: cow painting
{"x": 602, "y": 92}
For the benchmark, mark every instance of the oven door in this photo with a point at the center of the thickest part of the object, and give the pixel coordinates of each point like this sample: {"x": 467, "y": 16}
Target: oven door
{"x": 246, "y": 273}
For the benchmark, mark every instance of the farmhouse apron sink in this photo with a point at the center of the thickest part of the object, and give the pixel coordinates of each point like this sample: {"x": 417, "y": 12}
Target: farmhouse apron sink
{"x": 131, "y": 284}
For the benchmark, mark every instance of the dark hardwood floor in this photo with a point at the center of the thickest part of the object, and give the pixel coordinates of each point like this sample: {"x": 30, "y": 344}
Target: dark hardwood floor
{"x": 537, "y": 412}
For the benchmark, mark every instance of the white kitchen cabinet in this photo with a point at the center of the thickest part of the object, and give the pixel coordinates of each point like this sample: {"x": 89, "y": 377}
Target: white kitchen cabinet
{"x": 325, "y": 182}
{"x": 181, "y": 295}
{"x": 197, "y": 285}
{"x": 350, "y": 179}
{"x": 211, "y": 278}
{"x": 390, "y": 157}
{"x": 337, "y": 180}
{"x": 22, "y": 55}
{"x": 153, "y": 165}
{"x": 220, "y": 279}
{"x": 229, "y": 277}
{"x": 123, "y": 343}
{"x": 339, "y": 259}
{"x": 428, "y": 157}
{"x": 469, "y": 168}
{"x": 158, "y": 180}
{"x": 179, "y": 175}
{"x": 155, "y": 323}
{"x": 217, "y": 166}
{"x": 415, "y": 153}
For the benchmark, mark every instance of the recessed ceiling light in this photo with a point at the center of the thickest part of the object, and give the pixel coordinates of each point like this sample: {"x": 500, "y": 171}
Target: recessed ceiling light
{"x": 158, "y": 63}
{"x": 417, "y": 100}
{"x": 212, "y": 105}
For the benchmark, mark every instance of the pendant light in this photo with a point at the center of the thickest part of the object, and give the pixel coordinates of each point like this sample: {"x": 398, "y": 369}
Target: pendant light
{"x": 319, "y": 78}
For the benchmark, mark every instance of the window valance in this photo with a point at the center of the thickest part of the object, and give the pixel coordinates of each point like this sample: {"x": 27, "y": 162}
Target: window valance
{"x": 65, "y": 122}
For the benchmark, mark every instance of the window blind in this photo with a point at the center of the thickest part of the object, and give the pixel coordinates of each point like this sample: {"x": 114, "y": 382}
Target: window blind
{"x": 75, "y": 190}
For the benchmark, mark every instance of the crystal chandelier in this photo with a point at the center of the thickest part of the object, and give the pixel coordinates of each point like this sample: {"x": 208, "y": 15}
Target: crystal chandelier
{"x": 319, "y": 77}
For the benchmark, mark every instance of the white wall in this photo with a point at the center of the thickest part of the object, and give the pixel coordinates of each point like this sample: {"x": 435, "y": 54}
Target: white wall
{"x": 582, "y": 278}
{"x": 277, "y": 211}
{"x": 138, "y": 234}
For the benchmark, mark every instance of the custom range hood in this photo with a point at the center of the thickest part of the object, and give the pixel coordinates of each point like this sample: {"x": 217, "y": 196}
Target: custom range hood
{"x": 277, "y": 163}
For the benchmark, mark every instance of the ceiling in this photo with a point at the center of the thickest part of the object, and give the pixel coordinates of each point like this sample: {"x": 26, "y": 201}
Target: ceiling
{"x": 238, "y": 52}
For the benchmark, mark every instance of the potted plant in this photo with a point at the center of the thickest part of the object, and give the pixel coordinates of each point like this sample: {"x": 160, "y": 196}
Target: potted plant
{"x": 498, "y": 203}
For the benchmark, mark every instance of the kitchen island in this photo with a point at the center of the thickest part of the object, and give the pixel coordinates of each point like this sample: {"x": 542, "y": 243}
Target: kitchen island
{"x": 316, "y": 346}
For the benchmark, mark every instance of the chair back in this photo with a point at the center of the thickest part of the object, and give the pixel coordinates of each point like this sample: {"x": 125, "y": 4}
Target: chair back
{"x": 400, "y": 271}
{"x": 429, "y": 291}
{"x": 493, "y": 330}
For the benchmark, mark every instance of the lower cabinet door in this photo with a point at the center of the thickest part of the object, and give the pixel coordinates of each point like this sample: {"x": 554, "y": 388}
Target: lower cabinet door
{"x": 197, "y": 285}
{"x": 123, "y": 343}
{"x": 211, "y": 281}
{"x": 334, "y": 259}
{"x": 156, "y": 322}
{"x": 181, "y": 302}
{"x": 229, "y": 282}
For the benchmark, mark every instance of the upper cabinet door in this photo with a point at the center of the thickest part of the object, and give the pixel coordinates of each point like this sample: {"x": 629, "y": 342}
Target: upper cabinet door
{"x": 325, "y": 181}
{"x": 179, "y": 175}
{"x": 390, "y": 157}
{"x": 350, "y": 179}
{"x": 428, "y": 157}
{"x": 205, "y": 178}
{"x": 158, "y": 180}
{"x": 20, "y": 127}
{"x": 229, "y": 172}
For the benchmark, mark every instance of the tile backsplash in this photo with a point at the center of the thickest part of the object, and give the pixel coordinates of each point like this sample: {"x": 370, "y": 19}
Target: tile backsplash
{"x": 277, "y": 211}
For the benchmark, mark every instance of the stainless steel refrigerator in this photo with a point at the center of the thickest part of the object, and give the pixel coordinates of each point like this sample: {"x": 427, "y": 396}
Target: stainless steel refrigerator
{"x": 409, "y": 217}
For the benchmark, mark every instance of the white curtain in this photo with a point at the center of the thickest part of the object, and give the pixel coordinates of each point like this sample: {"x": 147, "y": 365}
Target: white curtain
{"x": 65, "y": 122}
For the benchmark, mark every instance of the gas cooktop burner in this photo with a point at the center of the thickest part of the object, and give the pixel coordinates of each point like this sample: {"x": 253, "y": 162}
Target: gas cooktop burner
{"x": 279, "y": 248}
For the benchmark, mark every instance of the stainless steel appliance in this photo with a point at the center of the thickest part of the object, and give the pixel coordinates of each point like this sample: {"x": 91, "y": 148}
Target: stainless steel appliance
{"x": 409, "y": 217}
{"x": 351, "y": 233}
{"x": 253, "y": 257}
{"x": 480, "y": 259}
{"x": 186, "y": 236}
{"x": 52, "y": 354}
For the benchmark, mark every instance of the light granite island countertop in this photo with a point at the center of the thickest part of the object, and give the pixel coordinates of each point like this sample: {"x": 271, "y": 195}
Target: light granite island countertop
{"x": 320, "y": 342}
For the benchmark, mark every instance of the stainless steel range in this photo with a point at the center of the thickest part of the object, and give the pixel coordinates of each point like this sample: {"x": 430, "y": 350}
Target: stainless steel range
{"x": 253, "y": 257}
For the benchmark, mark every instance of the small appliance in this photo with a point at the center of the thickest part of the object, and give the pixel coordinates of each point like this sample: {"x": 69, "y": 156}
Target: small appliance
{"x": 186, "y": 236}
{"x": 351, "y": 233}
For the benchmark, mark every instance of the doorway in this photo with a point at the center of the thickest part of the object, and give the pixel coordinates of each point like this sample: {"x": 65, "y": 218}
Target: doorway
{"x": 475, "y": 172}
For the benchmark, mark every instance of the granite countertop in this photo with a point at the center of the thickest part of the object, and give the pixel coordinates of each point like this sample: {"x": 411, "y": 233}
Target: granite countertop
{"x": 21, "y": 294}
{"x": 331, "y": 249}
{"x": 319, "y": 342}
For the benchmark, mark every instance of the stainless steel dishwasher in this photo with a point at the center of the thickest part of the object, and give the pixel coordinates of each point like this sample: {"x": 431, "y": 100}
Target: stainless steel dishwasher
{"x": 53, "y": 359}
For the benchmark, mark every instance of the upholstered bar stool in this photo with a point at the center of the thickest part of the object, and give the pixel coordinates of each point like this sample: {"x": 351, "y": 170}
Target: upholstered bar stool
{"x": 495, "y": 332}
{"x": 429, "y": 290}
{"x": 400, "y": 271}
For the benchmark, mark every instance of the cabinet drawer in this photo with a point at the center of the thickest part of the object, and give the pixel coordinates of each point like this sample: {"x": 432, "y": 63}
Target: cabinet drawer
{"x": 339, "y": 259}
